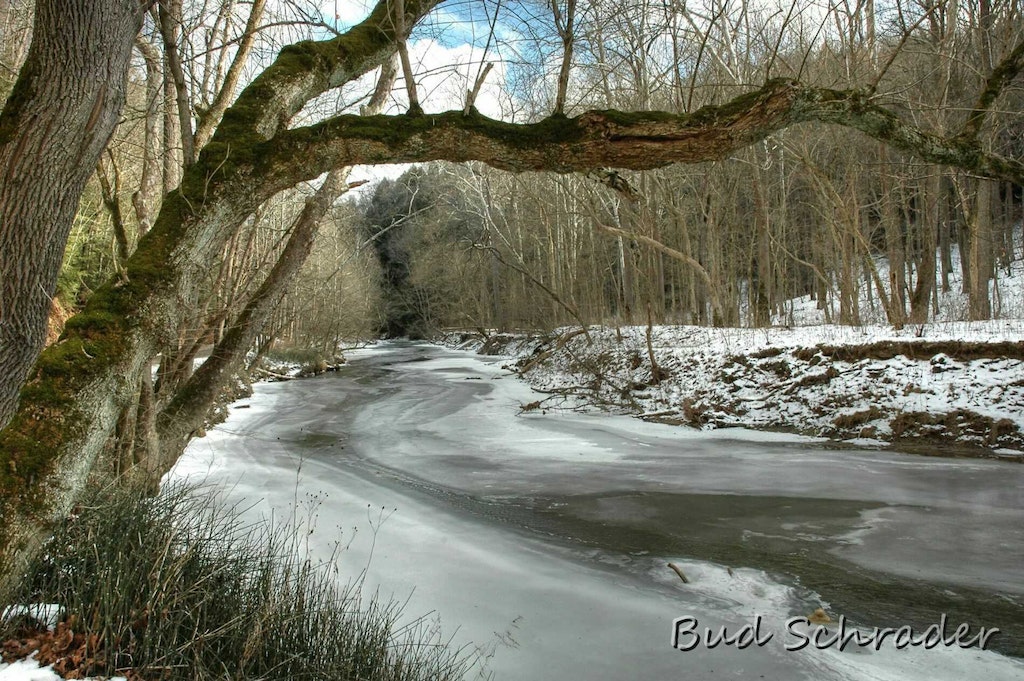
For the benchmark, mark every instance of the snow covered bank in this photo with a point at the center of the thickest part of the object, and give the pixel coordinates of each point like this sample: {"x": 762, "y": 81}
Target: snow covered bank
{"x": 941, "y": 384}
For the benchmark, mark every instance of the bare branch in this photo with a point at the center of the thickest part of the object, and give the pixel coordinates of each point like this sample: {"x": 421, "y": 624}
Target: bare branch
{"x": 305, "y": 70}
{"x": 670, "y": 252}
{"x": 523, "y": 270}
{"x": 385, "y": 82}
{"x": 146, "y": 199}
{"x": 565, "y": 25}
{"x": 110, "y": 190}
{"x": 211, "y": 117}
{"x": 170, "y": 18}
{"x": 898, "y": 50}
{"x": 403, "y": 53}
{"x": 471, "y": 95}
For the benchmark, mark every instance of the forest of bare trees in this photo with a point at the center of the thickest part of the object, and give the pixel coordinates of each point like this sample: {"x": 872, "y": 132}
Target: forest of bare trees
{"x": 780, "y": 150}
{"x": 812, "y": 211}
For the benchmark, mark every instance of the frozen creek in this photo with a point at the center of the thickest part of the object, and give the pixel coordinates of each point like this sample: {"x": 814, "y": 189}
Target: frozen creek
{"x": 545, "y": 538}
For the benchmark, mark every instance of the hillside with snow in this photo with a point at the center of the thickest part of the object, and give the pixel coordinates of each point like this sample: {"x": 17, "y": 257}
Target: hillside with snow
{"x": 1006, "y": 293}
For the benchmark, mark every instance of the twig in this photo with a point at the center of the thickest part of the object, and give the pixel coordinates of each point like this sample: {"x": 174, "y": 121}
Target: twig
{"x": 679, "y": 571}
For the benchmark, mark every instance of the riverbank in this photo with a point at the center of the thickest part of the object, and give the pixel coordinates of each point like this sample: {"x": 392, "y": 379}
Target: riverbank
{"x": 954, "y": 388}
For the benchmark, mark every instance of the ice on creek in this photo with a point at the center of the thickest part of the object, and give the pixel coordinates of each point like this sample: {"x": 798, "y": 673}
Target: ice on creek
{"x": 391, "y": 460}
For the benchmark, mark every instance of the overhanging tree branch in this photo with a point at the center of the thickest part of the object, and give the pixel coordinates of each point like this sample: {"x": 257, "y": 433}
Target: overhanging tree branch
{"x": 599, "y": 139}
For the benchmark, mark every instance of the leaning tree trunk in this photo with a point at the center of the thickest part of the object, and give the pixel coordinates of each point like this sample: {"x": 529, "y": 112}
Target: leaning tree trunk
{"x": 187, "y": 410}
{"x": 71, "y": 404}
{"x": 190, "y": 405}
{"x": 53, "y": 128}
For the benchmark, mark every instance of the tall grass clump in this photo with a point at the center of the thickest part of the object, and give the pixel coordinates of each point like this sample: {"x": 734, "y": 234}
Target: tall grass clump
{"x": 179, "y": 587}
{"x": 294, "y": 354}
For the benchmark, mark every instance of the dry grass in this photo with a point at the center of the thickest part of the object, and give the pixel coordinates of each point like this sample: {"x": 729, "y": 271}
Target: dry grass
{"x": 177, "y": 587}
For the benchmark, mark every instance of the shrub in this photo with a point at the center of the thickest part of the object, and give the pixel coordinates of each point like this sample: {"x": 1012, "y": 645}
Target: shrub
{"x": 295, "y": 355}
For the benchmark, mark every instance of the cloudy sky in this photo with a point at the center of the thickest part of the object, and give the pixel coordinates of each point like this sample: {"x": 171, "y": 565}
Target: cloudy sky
{"x": 447, "y": 52}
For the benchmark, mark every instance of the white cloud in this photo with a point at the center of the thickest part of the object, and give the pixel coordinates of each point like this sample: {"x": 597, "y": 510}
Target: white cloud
{"x": 346, "y": 13}
{"x": 445, "y": 65}
{"x": 443, "y": 74}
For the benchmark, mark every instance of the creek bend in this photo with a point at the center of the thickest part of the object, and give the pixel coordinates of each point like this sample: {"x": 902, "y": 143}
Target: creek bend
{"x": 545, "y": 538}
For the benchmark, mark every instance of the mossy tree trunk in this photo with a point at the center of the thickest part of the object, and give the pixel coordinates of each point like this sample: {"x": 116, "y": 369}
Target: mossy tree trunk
{"x": 71, "y": 403}
{"x": 72, "y": 400}
{"x": 189, "y": 406}
{"x": 53, "y": 128}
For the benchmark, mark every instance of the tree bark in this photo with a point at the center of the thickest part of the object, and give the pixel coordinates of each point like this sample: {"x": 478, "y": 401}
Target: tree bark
{"x": 53, "y": 128}
{"x": 980, "y": 251}
{"x": 601, "y": 139}
{"x": 928, "y": 230}
{"x": 170, "y": 24}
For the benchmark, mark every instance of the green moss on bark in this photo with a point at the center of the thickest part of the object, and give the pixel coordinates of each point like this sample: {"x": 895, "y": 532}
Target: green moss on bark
{"x": 350, "y": 53}
{"x": 393, "y": 131}
{"x": 49, "y": 416}
{"x": 93, "y": 341}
